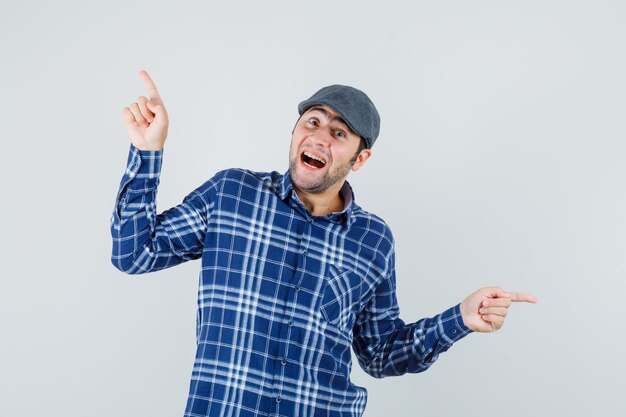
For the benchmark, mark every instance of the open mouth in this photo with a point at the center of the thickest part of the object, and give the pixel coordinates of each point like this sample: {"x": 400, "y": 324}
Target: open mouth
{"x": 312, "y": 161}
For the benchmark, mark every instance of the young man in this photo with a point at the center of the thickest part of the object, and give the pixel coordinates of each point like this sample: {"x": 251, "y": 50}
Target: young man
{"x": 294, "y": 272}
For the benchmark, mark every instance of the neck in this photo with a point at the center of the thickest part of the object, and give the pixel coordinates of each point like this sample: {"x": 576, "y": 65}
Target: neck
{"x": 329, "y": 201}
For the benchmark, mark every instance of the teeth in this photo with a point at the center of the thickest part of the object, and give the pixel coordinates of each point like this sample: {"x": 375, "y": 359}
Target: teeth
{"x": 315, "y": 157}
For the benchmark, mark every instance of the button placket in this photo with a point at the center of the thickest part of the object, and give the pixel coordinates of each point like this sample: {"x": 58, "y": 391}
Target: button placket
{"x": 286, "y": 335}
{"x": 304, "y": 244}
{"x": 282, "y": 353}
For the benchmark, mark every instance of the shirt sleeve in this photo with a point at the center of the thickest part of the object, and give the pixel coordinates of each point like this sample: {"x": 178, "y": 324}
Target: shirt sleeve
{"x": 144, "y": 241}
{"x": 386, "y": 346}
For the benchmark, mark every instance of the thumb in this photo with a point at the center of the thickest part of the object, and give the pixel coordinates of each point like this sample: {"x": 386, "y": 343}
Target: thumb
{"x": 156, "y": 106}
{"x": 500, "y": 293}
{"x": 152, "y": 106}
{"x": 494, "y": 292}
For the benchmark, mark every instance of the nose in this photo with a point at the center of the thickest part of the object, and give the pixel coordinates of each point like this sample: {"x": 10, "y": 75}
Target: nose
{"x": 321, "y": 138}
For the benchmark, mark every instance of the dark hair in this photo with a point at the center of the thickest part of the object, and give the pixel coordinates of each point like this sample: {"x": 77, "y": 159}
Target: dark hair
{"x": 362, "y": 145}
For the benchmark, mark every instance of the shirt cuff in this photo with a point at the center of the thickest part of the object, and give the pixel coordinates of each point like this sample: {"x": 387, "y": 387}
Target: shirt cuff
{"x": 143, "y": 169}
{"x": 143, "y": 164}
{"x": 451, "y": 327}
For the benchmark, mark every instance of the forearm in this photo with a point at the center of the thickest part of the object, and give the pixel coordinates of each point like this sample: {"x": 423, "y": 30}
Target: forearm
{"x": 411, "y": 348}
{"x": 142, "y": 240}
{"x": 433, "y": 336}
{"x": 133, "y": 219}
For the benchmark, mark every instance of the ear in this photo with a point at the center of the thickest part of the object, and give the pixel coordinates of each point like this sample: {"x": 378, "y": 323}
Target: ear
{"x": 360, "y": 160}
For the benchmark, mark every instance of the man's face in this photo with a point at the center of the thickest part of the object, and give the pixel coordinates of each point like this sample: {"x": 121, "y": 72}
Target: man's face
{"x": 323, "y": 150}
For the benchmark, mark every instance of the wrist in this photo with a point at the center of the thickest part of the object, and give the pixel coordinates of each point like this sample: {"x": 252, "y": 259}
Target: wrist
{"x": 149, "y": 148}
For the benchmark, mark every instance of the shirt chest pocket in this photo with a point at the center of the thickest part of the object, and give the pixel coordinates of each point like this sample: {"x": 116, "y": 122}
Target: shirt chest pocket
{"x": 341, "y": 298}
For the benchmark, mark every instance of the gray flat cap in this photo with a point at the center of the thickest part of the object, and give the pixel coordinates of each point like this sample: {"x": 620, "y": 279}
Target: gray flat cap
{"x": 353, "y": 105}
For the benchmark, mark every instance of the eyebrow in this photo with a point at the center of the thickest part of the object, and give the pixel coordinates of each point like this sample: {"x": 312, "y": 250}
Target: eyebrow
{"x": 328, "y": 115}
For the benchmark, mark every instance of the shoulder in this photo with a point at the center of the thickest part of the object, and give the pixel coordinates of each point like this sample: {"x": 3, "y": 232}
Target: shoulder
{"x": 240, "y": 177}
{"x": 374, "y": 226}
{"x": 236, "y": 182}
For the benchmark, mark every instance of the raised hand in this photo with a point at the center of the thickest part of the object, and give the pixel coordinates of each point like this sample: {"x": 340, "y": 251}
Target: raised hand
{"x": 146, "y": 119}
{"x": 485, "y": 309}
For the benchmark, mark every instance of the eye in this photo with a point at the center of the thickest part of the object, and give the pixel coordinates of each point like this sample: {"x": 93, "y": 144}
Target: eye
{"x": 313, "y": 121}
{"x": 341, "y": 133}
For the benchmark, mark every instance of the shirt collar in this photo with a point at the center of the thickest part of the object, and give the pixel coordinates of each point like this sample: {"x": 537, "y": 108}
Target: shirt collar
{"x": 346, "y": 216}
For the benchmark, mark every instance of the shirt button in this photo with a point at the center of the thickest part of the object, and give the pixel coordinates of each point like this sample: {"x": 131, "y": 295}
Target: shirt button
{"x": 297, "y": 289}
{"x": 283, "y": 362}
{"x": 304, "y": 252}
{"x": 278, "y": 399}
{"x": 290, "y": 323}
{"x": 453, "y": 331}
{"x": 122, "y": 202}
{"x": 310, "y": 220}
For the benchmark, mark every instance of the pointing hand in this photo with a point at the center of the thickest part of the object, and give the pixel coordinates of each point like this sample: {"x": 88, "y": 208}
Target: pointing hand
{"x": 485, "y": 309}
{"x": 146, "y": 119}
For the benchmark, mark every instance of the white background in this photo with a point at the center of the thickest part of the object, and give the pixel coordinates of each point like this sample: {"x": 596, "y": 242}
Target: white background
{"x": 500, "y": 162}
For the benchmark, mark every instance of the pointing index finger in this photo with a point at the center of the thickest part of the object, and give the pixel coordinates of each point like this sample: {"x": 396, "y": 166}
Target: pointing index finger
{"x": 150, "y": 86}
{"x": 523, "y": 297}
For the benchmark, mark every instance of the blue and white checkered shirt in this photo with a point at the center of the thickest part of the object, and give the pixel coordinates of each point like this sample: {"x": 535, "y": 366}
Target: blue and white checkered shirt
{"x": 282, "y": 296}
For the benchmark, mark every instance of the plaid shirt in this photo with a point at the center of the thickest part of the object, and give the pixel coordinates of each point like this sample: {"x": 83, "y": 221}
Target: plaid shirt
{"x": 282, "y": 295}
